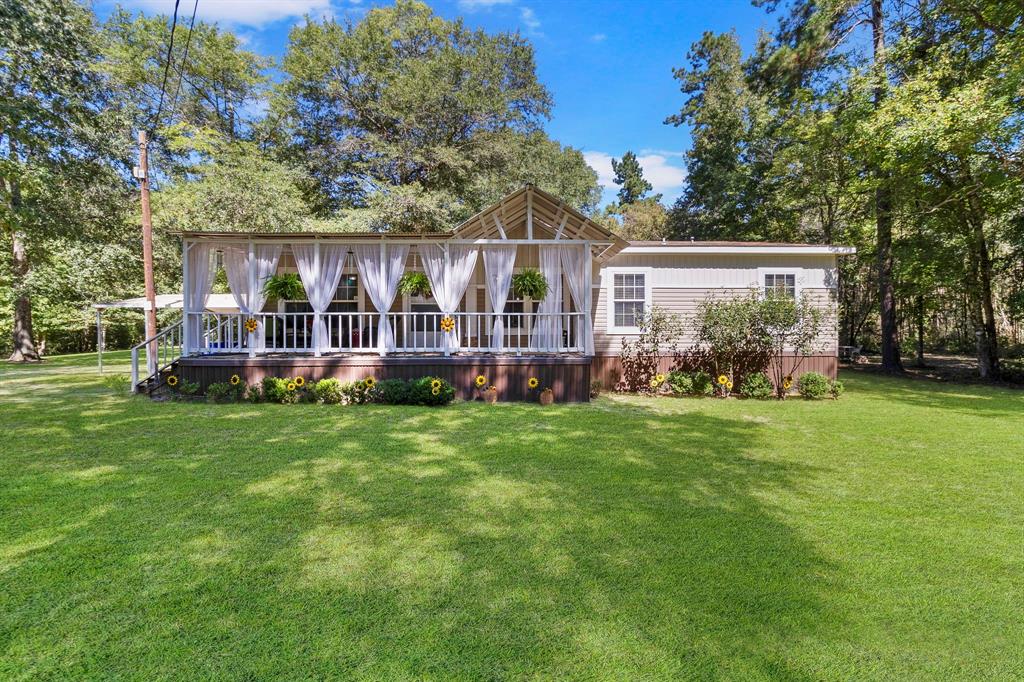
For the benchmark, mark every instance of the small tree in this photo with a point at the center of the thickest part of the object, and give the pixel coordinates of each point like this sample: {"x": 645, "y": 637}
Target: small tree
{"x": 732, "y": 337}
{"x": 659, "y": 336}
{"x": 789, "y": 324}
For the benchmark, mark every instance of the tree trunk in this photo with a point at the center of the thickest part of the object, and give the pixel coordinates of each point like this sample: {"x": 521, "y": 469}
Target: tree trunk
{"x": 988, "y": 346}
{"x": 883, "y": 216}
{"x": 920, "y": 331}
{"x": 24, "y": 348}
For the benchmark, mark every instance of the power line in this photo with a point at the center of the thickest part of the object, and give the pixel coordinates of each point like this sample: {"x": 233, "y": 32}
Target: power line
{"x": 184, "y": 57}
{"x": 167, "y": 67}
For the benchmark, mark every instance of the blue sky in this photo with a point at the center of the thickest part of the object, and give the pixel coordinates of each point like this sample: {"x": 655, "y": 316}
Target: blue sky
{"x": 608, "y": 64}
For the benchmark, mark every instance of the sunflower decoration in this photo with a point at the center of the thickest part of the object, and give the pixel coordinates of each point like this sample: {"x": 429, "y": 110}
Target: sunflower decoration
{"x": 436, "y": 390}
{"x": 235, "y": 380}
{"x": 300, "y": 381}
{"x": 481, "y": 381}
{"x": 787, "y": 383}
{"x": 447, "y": 324}
{"x": 435, "y": 385}
{"x": 369, "y": 382}
{"x": 722, "y": 380}
{"x": 728, "y": 385}
{"x": 533, "y": 382}
{"x": 251, "y": 325}
{"x": 172, "y": 380}
{"x": 654, "y": 382}
{"x": 292, "y": 386}
{"x": 660, "y": 378}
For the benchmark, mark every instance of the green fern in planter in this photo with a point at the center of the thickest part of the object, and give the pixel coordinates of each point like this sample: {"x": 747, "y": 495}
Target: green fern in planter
{"x": 414, "y": 284}
{"x": 287, "y": 287}
{"x": 530, "y": 283}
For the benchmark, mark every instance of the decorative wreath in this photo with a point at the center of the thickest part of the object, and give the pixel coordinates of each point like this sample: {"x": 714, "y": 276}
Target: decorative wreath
{"x": 235, "y": 379}
{"x": 251, "y": 325}
{"x": 481, "y": 380}
{"x": 172, "y": 380}
{"x": 447, "y": 324}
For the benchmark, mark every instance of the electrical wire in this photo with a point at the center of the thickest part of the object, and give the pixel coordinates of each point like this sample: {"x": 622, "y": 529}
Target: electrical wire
{"x": 184, "y": 58}
{"x": 167, "y": 68}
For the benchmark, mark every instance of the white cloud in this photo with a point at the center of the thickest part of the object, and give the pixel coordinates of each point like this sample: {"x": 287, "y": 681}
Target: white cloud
{"x": 598, "y": 37}
{"x": 473, "y": 5}
{"x": 254, "y": 13}
{"x": 529, "y": 18}
{"x": 664, "y": 177}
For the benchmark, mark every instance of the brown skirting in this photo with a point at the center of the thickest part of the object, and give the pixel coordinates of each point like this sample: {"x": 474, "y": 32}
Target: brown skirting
{"x": 608, "y": 368}
{"x": 568, "y": 376}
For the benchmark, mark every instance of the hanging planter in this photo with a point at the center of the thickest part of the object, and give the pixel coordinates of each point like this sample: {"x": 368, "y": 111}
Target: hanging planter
{"x": 287, "y": 287}
{"x": 414, "y": 284}
{"x": 530, "y": 283}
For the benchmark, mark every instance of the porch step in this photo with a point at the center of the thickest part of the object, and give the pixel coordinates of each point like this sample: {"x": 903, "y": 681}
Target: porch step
{"x": 155, "y": 385}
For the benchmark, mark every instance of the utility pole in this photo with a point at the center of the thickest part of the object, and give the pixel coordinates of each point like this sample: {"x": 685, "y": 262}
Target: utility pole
{"x": 147, "y": 250}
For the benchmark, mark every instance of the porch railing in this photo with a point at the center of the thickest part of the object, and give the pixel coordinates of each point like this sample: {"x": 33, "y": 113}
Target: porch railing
{"x": 415, "y": 332}
{"x": 161, "y": 351}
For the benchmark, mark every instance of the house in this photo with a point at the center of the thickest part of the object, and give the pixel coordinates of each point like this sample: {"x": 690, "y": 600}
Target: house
{"x": 472, "y": 323}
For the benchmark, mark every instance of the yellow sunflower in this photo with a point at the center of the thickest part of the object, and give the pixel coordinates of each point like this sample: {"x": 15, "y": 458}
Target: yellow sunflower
{"x": 660, "y": 378}
{"x": 172, "y": 380}
{"x": 654, "y": 383}
{"x": 291, "y": 386}
{"x": 235, "y": 379}
{"x": 787, "y": 383}
{"x": 436, "y": 390}
{"x": 251, "y": 325}
{"x": 480, "y": 381}
{"x": 728, "y": 385}
{"x": 533, "y": 383}
{"x": 722, "y": 379}
{"x": 447, "y": 323}
{"x": 300, "y": 382}
{"x": 435, "y": 385}
{"x": 370, "y": 382}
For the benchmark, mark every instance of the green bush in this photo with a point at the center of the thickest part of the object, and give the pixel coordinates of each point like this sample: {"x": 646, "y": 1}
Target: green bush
{"x": 328, "y": 391}
{"x": 280, "y": 390}
{"x": 757, "y": 385}
{"x": 703, "y": 384}
{"x": 392, "y": 392}
{"x": 356, "y": 392}
{"x": 422, "y": 391}
{"x": 224, "y": 392}
{"x": 813, "y": 385}
{"x": 254, "y": 393}
{"x": 681, "y": 383}
{"x": 837, "y": 389}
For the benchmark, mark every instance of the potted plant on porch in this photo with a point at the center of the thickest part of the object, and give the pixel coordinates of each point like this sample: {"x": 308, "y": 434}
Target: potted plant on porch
{"x": 287, "y": 287}
{"x": 530, "y": 283}
{"x": 414, "y": 284}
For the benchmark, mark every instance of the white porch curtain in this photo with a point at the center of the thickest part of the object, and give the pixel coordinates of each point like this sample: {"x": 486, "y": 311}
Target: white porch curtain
{"x": 547, "y": 330}
{"x": 200, "y": 282}
{"x": 320, "y": 267}
{"x": 380, "y": 272}
{"x": 578, "y": 275}
{"x": 449, "y": 277}
{"x": 498, "y": 264}
{"x": 248, "y": 292}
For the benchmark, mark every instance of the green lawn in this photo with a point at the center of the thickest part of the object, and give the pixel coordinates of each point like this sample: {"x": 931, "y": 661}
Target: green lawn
{"x": 877, "y": 537}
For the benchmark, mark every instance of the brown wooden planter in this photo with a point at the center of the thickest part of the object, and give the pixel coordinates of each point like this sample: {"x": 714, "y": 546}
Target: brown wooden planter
{"x": 490, "y": 396}
{"x": 547, "y": 396}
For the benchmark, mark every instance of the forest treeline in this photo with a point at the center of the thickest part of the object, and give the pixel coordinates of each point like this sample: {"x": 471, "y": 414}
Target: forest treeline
{"x": 894, "y": 127}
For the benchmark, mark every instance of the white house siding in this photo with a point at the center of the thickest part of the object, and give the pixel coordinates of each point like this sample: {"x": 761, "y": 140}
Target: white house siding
{"x": 681, "y": 282}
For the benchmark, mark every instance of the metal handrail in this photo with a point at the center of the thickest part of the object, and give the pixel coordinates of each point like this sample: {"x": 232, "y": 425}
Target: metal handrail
{"x": 162, "y": 351}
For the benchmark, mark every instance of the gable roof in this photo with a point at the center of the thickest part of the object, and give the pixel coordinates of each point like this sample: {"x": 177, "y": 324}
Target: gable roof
{"x": 542, "y": 216}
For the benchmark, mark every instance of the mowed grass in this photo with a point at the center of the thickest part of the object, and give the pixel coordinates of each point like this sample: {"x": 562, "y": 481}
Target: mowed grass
{"x": 877, "y": 537}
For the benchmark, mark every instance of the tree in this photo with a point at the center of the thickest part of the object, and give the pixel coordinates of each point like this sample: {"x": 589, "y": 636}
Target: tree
{"x": 789, "y": 325}
{"x": 630, "y": 177}
{"x": 405, "y": 109}
{"x": 644, "y": 220}
{"x": 55, "y": 141}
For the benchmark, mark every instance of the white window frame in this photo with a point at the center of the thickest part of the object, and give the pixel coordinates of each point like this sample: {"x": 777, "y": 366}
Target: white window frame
{"x": 797, "y": 279}
{"x": 609, "y": 288}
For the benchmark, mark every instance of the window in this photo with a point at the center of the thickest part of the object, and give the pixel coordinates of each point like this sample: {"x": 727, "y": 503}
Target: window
{"x": 629, "y": 298}
{"x": 346, "y": 297}
{"x": 780, "y": 283}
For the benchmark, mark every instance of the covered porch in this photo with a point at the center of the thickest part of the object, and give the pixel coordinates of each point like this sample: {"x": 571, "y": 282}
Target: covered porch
{"x": 353, "y": 303}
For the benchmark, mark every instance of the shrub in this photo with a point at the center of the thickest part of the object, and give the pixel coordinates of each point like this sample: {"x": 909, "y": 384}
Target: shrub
{"x": 224, "y": 392}
{"x": 681, "y": 383}
{"x": 837, "y": 389}
{"x": 431, "y": 391}
{"x": 328, "y": 391}
{"x": 278, "y": 390}
{"x": 757, "y": 385}
{"x": 703, "y": 384}
{"x": 730, "y": 334}
{"x": 356, "y": 392}
{"x": 254, "y": 393}
{"x": 595, "y": 388}
{"x": 813, "y": 385}
{"x": 660, "y": 330}
{"x": 392, "y": 392}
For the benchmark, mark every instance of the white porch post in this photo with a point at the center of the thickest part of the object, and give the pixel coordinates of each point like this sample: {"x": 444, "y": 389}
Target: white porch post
{"x": 447, "y": 270}
{"x": 588, "y": 302}
{"x": 382, "y": 342}
{"x": 186, "y": 294}
{"x": 252, "y": 292}
{"x": 316, "y": 313}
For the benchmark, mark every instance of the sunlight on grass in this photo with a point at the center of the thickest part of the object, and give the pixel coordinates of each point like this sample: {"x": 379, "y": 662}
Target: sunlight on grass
{"x": 877, "y": 537}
